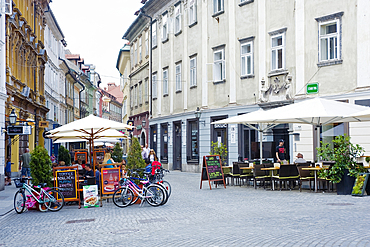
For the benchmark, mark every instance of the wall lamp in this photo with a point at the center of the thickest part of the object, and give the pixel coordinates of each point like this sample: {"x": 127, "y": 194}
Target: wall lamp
{"x": 198, "y": 114}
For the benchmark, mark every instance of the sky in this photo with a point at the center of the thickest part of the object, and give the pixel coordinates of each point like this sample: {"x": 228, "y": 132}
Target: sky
{"x": 94, "y": 29}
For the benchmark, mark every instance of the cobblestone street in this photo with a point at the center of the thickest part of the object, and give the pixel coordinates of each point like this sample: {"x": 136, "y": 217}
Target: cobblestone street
{"x": 236, "y": 216}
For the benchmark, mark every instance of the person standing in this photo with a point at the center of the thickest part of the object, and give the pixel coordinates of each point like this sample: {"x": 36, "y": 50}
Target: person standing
{"x": 25, "y": 159}
{"x": 8, "y": 180}
{"x": 144, "y": 154}
{"x": 147, "y": 150}
{"x": 280, "y": 151}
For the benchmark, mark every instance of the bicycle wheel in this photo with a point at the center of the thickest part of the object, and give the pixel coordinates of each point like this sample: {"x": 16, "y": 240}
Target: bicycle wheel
{"x": 19, "y": 201}
{"x": 165, "y": 193}
{"x": 167, "y": 186}
{"x": 42, "y": 207}
{"x": 155, "y": 195}
{"x": 53, "y": 200}
{"x": 123, "y": 197}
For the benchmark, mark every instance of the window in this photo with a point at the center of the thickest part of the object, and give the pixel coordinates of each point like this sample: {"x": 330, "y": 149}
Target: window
{"x": 132, "y": 56}
{"x": 164, "y": 28}
{"x": 278, "y": 52}
{"x": 135, "y": 53}
{"x": 165, "y": 82}
{"x": 140, "y": 93}
{"x": 219, "y": 64}
{"x": 193, "y": 71}
{"x": 193, "y": 142}
{"x": 146, "y": 94}
{"x": 135, "y": 95}
{"x": 192, "y": 12}
{"x": 146, "y": 44}
{"x": 177, "y": 19}
{"x": 154, "y": 85}
{"x": 140, "y": 55}
{"x": 154, "y": 34}
{"x": 124, "y": 107}
{"x": 329, "y": 36}
{"x": 218, "y": 6}
{"x": 178, "y": 77}
{"x": 164, "y": 143}
{"x": 246, "y": 52}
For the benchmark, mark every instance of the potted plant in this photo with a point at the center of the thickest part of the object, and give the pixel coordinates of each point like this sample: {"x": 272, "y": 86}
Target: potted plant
{"x": 219, "y": 149}
{"x": 134, "y": 158}
{"x": 63, "y": 155}
{"x": 345, "y": 169}
{"x": 40, "y": 164}
{"x": 117, "y": 154}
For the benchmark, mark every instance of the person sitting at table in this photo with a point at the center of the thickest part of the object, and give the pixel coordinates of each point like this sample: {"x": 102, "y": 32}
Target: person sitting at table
{"x": 108, "y": 160}
{"x": 300, "y": 159}
{"x": 89, "y": 172}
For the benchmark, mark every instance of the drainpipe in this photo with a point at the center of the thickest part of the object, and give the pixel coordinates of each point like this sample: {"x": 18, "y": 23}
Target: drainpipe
{"x": 79, "y": 94}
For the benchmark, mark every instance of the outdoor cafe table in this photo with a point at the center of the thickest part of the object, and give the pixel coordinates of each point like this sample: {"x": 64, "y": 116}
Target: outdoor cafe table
{"x": 272, "y": 169}
{"x": 317, "y": 168}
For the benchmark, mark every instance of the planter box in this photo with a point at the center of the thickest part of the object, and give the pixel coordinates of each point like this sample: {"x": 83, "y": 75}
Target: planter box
{"x": 346, "y": 184}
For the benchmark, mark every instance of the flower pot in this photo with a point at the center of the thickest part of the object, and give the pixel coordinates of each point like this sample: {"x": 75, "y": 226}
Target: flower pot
{"x": 344, "y": 187}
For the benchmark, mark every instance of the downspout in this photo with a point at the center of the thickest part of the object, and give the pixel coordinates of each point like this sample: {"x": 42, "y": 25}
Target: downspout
{"x": 150, "y": 63}
{"x": 79, "y": 94}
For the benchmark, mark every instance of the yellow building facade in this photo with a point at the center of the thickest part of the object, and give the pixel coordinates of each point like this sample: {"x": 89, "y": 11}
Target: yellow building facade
{"x": 25, "y": 64}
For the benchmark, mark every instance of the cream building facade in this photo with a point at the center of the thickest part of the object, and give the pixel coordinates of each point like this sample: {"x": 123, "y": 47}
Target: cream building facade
{"x": 233, "y": 57}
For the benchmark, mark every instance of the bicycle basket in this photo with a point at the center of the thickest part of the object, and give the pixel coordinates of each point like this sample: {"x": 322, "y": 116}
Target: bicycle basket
{"x": 18, "y": 183}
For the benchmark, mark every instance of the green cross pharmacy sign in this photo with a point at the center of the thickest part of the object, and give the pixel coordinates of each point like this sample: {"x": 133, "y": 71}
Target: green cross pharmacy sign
{"x": 312, "y": 88}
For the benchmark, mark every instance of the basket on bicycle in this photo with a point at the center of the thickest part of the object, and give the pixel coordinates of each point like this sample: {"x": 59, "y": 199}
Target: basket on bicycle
{"x": 18, "y": 183}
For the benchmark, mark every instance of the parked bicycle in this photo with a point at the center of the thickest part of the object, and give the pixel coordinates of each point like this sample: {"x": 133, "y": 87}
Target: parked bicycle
{"x": 26, "y": 196}
{"x": 158, "y": 178}
{"x": 129, "y": 192}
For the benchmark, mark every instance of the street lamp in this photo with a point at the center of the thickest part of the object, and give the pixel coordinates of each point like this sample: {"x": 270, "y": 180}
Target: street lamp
{"x": 12, "y": 118}
{"x": 198, "y": 114}
{"x": 143, "y": 123}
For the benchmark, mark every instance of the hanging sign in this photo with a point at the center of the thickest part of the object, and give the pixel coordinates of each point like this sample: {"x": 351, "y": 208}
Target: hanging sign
{"x": 312, "y": 88}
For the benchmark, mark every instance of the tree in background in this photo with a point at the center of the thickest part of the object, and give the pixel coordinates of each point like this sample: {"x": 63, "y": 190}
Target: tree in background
{"x": 134, "y": 158}
{"x": 40, "y": 164}
{"x": 63, "y": 155}
{"x": 117, "y": 154}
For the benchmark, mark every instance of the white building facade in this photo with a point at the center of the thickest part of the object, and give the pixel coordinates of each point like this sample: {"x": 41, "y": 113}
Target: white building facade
{"x": 233, "y": 57}
{"x": 54, "y": 77}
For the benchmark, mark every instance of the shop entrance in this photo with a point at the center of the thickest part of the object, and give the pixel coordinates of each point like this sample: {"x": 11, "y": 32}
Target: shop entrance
{"x": 177, "y": 146}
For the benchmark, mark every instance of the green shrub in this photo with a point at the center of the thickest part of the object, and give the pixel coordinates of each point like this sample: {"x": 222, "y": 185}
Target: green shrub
{"x": 40, "y": 164}
{"x": 219, "y": 149}
{"x": 117, "y": 153}
{"x": 63, "y": 155}
{"x": 134, "y": 158}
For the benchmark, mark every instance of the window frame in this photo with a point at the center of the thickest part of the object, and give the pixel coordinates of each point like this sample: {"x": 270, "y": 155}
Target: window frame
{"x": 328, "y": 36}
{"x": 192, "y": 12}
{"x": 146, "y": 43}
{"x": 215, "y": 5}
{"x": 146, "y": 90}
{"x": 178, "y": 77}
{"x": 154, "y": 35}
{"x": 154, "y": 86}
{"x": 276, "y": 49}
{"x": 140, "y": 51}
{"x": 189, "y": 157}
{"x": 223, "y": 65}
{"x": 165, "y": 81}
{"x": 193, "y": 76}
{"x": 246, "y": 55}
{"x": 140, "y": 93}
{"x": 178, "y": 19}
{"x": 165, "y": 27}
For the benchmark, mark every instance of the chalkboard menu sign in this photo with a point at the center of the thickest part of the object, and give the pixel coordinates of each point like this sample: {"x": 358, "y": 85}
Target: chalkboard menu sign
{"x": 109, "y": 179}
{"x": 67, "y": 184}
{"x": 212, "y": 170}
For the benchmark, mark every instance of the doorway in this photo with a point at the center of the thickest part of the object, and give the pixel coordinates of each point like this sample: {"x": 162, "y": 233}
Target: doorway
{"x": 177, "y": 145}
{"x": 219, "y": 135}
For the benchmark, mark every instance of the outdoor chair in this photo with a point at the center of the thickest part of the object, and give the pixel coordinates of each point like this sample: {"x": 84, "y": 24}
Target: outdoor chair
{"x": 259, "y": 175}
{"x": 287, "y": 173}
{"x": 235, "y": 173}
{"x": 244, "y": 173}
{"x": 326, "y": 182}
{"x": 304, "y": 175}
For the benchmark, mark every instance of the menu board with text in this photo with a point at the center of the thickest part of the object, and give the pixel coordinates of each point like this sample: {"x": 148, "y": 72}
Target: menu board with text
{"x": 109, "y": 179}
{"x": 212, "y": 170}
{"x": 67, "y": 183}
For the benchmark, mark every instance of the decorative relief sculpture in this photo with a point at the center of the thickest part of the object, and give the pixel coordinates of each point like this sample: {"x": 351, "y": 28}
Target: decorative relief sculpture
{"x": 278, "y": 88}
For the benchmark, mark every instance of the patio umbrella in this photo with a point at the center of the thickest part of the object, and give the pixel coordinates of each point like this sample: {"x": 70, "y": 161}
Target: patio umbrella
{"x": 315, "y": 111}
{"x": 89, "y": 128}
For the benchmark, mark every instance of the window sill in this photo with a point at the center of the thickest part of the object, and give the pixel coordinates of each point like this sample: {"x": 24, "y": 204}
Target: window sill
{"x": 178, "y": 33}
{"x": 154, "y": 98}
{"x": 193, "y": 24}
{"x": 193, "y": 162}
{"x": 165, "y": 40}
{"x": 178, "y": 91}
{"x": 246, "y": 2}
{"x": 246, "y": 77}
{"x": 218, "y": 13}
{"x": 278, "y": 72}
{"x": 165, "y": 95}
{"x": 219, "y": 82}
{"x": 329, "y": 63}
{"x": 194, "y": 86}
{"x": 154, "y": 47}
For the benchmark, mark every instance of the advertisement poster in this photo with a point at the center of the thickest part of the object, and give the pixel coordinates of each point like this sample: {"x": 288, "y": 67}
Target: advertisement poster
{"x": 91, "y": 198}
{"x": 109, "y": 179}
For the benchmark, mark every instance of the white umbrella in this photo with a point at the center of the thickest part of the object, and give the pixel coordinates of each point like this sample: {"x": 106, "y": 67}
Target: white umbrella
{"x": 109, "y": 133}
{"x": 316, "y": 111}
